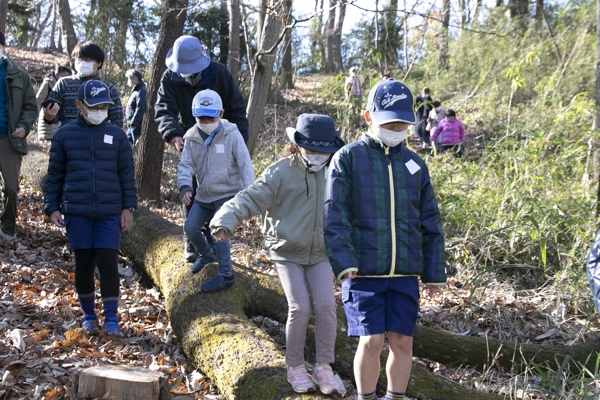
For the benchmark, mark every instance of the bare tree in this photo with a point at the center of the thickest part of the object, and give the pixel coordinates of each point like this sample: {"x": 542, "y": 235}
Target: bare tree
{"x": 287, "y": 75}
{"x": 233, "y": 61}
{"x": 66, "y": 24}
{"x": 148, "y": 169}
{"x": 443, "y": 38}
{"x": 272, "y": 36}
{"x": 53, "y": 26}
{"x": 333, "y": 36}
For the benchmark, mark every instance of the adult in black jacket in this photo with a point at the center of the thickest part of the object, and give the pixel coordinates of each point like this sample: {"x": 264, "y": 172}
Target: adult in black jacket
{"x": 423, "y": 105}
{"x": 136, "y": 105}
{"x": 190, "y": 70}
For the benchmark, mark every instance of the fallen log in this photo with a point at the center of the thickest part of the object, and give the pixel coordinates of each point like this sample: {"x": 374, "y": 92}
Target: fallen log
{"x": 216, "y": 334}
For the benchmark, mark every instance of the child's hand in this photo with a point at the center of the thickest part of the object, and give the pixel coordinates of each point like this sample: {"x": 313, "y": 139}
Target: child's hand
{"x": 57, "y": 219}
{"x": 186, "y": 198}
{"x": 126, "y": 219}
{"x": 220, "y": 235}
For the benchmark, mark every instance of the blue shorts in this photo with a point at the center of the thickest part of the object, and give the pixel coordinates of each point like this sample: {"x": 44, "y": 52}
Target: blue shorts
{"x": 377, "y": 305}
{"x": 94, "y": 233}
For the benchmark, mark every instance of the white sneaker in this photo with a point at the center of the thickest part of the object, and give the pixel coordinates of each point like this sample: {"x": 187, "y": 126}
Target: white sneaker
{"x": 299, "y": 379}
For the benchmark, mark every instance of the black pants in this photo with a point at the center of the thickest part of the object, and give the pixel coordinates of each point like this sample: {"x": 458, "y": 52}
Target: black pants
{"x": 107, "y": 261}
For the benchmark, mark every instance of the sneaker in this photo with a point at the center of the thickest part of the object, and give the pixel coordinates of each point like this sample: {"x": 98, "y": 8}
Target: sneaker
{"x": 323, "y": 376}
{"x": 217, "y": 283}
{"x": 111, "y": 327}
{"x": 201, "y": 262}
{"x": 6, "y": 236}
{"x": 299, "y": 379}
{"x": 90, "y": 324}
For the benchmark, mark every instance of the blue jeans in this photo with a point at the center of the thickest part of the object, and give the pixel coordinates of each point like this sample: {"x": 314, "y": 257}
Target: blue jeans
{"x": 196, "y": 218}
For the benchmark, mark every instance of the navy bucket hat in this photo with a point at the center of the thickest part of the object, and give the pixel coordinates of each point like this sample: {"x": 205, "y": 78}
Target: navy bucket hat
{"x": 315, "y": 132}
{"x": 391, "y": 101}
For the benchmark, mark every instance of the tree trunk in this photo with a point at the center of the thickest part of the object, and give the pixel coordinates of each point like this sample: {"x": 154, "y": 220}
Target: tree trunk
{"x": 40, "y": 28}
{"x": 53, "y": 28}
{"x": 119, "y": 51}
{"x": 338, "y": 65}
{"x": 263, "y": 71}
{"x": 287, "y": 74}
{"x": 148, "y": 169}
{"x": 329, "y": 34}
{"x": 66, "y": 24}
{"x": 260, "y": 19}
{"x": 233, "y": 61}
{"x": 3, "y": 14}
{"x": 443, "y": 40}
{"x": 215, "y": 332}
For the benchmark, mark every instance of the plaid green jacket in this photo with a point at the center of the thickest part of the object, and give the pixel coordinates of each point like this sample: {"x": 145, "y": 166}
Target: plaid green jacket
{"x": 381, "y": 216}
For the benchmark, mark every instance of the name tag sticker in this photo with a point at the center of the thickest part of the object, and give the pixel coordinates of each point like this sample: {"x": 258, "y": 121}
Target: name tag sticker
{"x": 220, "y": 148}
{"x": 412, "y": 167}
{"x": 108, "y": 139}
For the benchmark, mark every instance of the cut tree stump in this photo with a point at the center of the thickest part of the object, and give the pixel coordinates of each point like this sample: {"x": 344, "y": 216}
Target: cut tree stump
{"x": 118, "y": 382}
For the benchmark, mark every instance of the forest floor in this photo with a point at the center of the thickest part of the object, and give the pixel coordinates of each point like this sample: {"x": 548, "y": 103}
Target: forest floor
{"x": 41, "y": 345}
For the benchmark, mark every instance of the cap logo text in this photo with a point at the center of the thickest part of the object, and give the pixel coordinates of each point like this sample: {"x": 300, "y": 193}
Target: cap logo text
{"x": 389, "y": 99}
{"x": 96, "y": 91}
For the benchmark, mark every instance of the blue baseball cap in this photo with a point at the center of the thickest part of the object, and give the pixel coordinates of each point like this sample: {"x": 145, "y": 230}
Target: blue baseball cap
{"x": 391, "y": 101}
{"x": 207, "y": 103}
{"x": 94, "y": 92}
{"x": 187, "y": 56}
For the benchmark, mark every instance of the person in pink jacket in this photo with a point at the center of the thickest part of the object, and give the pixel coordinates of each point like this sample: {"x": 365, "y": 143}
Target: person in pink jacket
{"x": 452, "y": 131}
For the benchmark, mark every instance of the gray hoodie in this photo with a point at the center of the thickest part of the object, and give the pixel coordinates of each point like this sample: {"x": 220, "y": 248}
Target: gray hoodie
{"x": 222, "y": 170}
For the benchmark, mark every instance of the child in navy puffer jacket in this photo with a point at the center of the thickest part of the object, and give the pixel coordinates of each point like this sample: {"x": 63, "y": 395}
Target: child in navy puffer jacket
{"x": 91, "y": 183}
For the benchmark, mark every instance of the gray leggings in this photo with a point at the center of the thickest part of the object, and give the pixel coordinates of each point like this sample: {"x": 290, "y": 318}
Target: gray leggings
{"x": 297, "y": 280}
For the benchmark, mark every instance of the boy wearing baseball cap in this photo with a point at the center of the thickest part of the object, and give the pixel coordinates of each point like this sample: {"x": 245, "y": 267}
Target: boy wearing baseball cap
{"x": 215, "y": 153}
{"x": 90, "y": 190}
{"x": 383, "y": 233}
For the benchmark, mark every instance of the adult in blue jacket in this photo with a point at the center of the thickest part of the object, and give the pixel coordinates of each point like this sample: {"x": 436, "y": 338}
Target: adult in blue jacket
{"x": 191, "y": 70}
{"x": 91, "y": 182}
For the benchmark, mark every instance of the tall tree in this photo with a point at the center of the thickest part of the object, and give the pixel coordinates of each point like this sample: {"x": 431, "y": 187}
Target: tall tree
{"x": 148, "y": 169}
{"x": 519, "y": 12}
{"x": 336, "y": 39}
{"x": 233, "y": 61}
{"x": 443, "y": 37}
{"x": 3, "y": 14}
{"x": 287, "y": 74}
{"x": 329, "y": 32}
{"x": 391, "y": 36}
{"x": 66, "y": 24}
{"x": 272, "y": 35}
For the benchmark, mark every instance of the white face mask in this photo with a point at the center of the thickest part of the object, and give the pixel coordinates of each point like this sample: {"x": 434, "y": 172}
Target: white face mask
{"x": 388, "y": 137}
{"x": 187, "y": 75}
{"x": 130, "y": 84}
{"x": 209, "y": 128}
{"x": 315, "y": 162}
{"x": 85, "y": 68}
{"x": 95, "y": 117}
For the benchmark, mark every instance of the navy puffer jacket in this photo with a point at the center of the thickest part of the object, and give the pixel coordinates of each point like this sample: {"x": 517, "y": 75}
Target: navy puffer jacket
{"x": 90, "y": 172}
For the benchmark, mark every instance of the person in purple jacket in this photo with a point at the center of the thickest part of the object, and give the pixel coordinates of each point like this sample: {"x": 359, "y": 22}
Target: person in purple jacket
{"x": 453, "y": 133}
